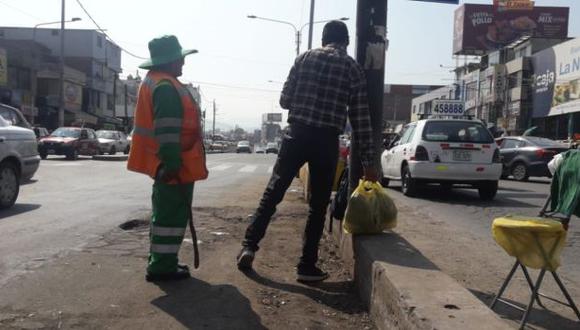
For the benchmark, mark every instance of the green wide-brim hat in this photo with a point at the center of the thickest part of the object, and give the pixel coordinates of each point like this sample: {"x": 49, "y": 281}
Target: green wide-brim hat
{"x": 163, "y": 50}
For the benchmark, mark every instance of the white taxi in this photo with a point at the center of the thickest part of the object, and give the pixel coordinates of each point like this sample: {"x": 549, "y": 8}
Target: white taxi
{"x": 444, "y": 151}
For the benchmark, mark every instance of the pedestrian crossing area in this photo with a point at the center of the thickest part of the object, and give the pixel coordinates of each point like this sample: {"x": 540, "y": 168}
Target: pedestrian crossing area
{"x": 239, "y": 168}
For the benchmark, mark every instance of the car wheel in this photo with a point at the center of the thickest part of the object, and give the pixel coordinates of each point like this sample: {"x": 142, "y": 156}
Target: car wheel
{"x": 385, "y": 182}
{"x": 520, "y": 172}
{"x": 72, "y": 155}
{"x": 409, "y": 185}
{"x": 127, "y": 150}
{"x": 487, "y": 190}
{"x": 113, "y": 150}
{"x": 43, "y": 155}
{"x": 9, "y": 184}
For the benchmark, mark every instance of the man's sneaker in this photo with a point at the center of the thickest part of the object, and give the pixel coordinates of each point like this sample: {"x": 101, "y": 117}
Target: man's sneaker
{"x": 179, "y": 274}
{"x": 245, "y": 259}
{"x": 311, "y": 274}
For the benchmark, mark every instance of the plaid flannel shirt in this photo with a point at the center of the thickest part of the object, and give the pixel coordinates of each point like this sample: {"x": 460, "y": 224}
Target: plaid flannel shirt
{"x": 321, "y": 86}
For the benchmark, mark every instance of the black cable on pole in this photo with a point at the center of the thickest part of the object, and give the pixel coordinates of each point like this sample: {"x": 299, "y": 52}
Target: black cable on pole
{"x": 106, "y": 35}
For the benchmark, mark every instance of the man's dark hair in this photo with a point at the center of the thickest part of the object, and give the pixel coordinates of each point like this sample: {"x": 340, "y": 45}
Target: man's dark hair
{"x": 335, "y": 32}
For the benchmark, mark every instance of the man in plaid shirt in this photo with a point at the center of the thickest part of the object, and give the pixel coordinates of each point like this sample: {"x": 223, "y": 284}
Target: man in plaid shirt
{"x": 323, "y": 87}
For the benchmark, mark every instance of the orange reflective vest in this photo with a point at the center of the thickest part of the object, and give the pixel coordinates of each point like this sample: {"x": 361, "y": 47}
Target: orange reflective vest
{"x": 144, "y": 146}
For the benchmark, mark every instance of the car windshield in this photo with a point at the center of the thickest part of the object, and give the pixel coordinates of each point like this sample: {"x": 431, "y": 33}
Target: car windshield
{"x": 543, "y": 142}
{"x": 243, "y": 143}
{"x": 272, "y": 145}
{"x": 456, "y": 131}
{"x": 3, "y": 122}
{"x": 66, "y": 132}
{"x": 105, "y": 134}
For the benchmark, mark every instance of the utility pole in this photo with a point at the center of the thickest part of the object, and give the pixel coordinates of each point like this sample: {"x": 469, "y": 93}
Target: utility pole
{"x": 61, "y": 65}
{"x": 298, "y": 41}
{"x": 371, "y": 44}
{"x": 126, "y": 107}
{"x": 213, "y": 124}
{"x": 203, "y": 123}
{"x": 311, "y": 27}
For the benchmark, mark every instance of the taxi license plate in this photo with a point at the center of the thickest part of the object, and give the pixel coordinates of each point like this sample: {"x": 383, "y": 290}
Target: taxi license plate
{"x": 461, "y": 155}
{"x": 50, "y": 151}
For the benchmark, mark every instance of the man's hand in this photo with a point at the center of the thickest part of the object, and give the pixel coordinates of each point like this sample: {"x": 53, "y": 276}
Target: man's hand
{"x": 167, "y": 176}
{"x": 371, "y": 174}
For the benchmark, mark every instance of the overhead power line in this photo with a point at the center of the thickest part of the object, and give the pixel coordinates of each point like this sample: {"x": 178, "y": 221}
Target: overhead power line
{"x": 106, "y": 35}
{"x": 234, "y": 86}
{"x": 20, "y": 10}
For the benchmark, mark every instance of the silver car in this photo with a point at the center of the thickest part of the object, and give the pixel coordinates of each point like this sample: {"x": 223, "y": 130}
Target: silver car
{"x": 19, "y": 160}
{"x": 112, "y": 141}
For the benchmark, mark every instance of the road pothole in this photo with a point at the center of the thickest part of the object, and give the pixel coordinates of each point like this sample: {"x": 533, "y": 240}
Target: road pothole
{"x": 134, "y": 224}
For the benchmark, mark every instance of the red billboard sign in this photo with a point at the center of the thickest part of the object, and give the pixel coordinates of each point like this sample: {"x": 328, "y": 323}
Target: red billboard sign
{"x": 513, "y": 4}
{"x": 480, "y": 29}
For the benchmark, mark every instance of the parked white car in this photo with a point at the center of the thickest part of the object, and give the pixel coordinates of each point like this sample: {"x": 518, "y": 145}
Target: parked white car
{"x": 19, "y": 160}
{"x": 112, "y": 142}
{"x": 446, "y": 152}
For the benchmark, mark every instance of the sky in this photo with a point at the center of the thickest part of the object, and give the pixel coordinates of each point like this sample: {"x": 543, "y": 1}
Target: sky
{"x": 243, "y": 62}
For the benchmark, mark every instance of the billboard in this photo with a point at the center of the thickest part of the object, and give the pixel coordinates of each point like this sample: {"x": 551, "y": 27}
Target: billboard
{"x": 556, "y": 80}
{"x": 479, "y": 29}
{"x": 3, "y": 68}
{"x": 271, "y": 117}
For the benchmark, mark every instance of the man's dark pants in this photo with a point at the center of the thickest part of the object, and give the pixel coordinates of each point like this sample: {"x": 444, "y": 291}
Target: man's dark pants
{"x": 318, "y": 147}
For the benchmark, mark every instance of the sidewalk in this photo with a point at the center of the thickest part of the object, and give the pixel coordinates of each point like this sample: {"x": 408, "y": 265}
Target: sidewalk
{"x": 102, "y": 285}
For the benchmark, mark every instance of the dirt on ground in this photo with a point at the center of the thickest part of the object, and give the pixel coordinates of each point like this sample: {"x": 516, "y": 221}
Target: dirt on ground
{"x": 102, "y": 284}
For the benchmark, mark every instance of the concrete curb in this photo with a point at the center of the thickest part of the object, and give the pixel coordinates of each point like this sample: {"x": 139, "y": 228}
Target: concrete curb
{"x": 404, "y": 290}
{"x": 111, "y": 157}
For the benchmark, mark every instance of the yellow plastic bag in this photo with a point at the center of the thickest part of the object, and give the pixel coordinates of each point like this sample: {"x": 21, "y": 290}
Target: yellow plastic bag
{"x": 370, "y": 210}
{"x": 536, "y": 242}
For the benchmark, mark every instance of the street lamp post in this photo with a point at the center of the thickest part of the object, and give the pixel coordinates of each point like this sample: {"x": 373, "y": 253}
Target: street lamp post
{"x": 61, "y": 66}
{"x": 297, "y": 31}
{"x": 74, "y": 19}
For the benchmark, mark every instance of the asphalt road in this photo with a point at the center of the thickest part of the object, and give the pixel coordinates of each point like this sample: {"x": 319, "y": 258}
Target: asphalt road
{"x": 463, "y": 209}
{"x": 68, "y": 203}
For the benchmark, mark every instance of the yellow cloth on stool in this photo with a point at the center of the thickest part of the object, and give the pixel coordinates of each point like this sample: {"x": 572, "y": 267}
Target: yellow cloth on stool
{"x": 524, "y": 238}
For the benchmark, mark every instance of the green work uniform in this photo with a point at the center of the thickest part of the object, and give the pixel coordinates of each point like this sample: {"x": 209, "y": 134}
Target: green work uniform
{"x": 171, "y": 202}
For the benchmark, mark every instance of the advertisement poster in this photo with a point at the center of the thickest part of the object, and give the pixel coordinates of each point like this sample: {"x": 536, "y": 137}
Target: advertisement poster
{"x": 556, "y": 81}
{"x": 480, "y": 29}
{"x": 73, "y": 96}
{"x": 3, "y": 68}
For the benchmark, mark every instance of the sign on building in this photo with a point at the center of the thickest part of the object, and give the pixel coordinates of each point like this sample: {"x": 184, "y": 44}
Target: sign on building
{"x": 479, "y": 29}
{"x": 3, "y": 68}
{"x": 503, "y": 5}
{"x": 556, "y": 80}
{"x": 272, "y": 118}
{"x": 73, "y": 96}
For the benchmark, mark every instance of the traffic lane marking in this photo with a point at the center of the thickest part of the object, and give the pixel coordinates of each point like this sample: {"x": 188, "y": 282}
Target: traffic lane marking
{"x": 248, "y": 169}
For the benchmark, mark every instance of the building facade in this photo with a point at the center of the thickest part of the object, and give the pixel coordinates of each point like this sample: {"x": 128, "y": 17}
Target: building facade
{"x": 397, "y": 102}
{"x": 88, "y": 52}
{"x": 555, "y": 91}
{"x": 531, "y": 82}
